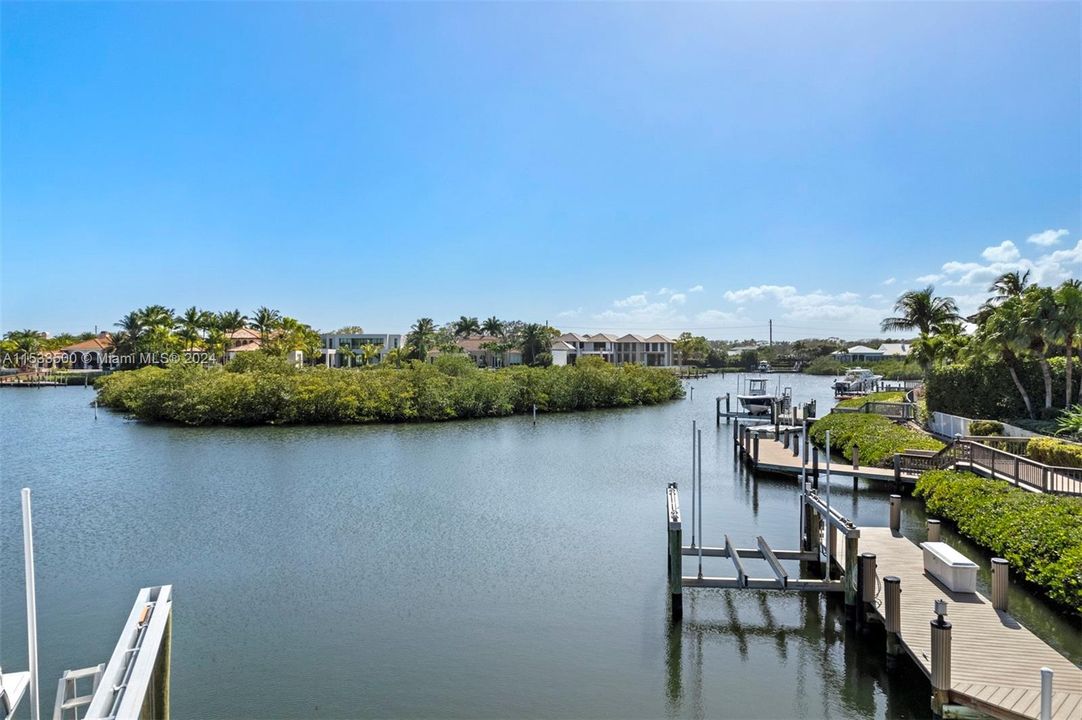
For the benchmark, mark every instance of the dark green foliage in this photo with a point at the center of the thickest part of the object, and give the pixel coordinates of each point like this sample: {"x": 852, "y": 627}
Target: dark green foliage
{"x": 1039, "y": 535}
{"x": 985, "y": 428}
{"x": 1054, "y": 452}
{"x": 889, "y": 369}
{"x": 879, "y": 438}
{"x": 982, "y": 388}
{"x": 256, "y": 392}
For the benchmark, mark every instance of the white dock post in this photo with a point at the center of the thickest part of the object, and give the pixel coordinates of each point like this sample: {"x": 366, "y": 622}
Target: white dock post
{"x": 535, "y": 413}
{"x": 941, "y": 659}
{"x": 1000, "y": 576}
{"x": 895, "y": 513}
{"x": 31, "y": 605}
{"x": 700, "y": 466}
{"x": 1046, "y": 693}
{"x": 933, "y": 530}
{"x": 676, "y": 563}
{"x": 828, "y": 471}
{"x": 692, "y": 483}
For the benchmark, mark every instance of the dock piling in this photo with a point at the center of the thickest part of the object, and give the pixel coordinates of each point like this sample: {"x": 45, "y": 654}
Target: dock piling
{"x": 933, "y": 530}
{"x": 941, "y": 659}
{"x": 755, "y": 451}
{"x": 856, "y": 456}
{"x": 676, "y": 563}
{"x": 796, "y": 445}
{"x": 895, "y": 513}
{"x": 1046, "y": 693}
{"x": 1000, "y": 579}
{"x": 717, "y": 411}
{"x": 852, "y": 590}
{"x": 892, "y": 614}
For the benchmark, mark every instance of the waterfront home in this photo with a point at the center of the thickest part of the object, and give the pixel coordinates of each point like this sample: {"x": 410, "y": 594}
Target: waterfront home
{"x": 335, "y": 343}
{"x": 90, "y": 354}
{"x": 654, "y": 351}
{"x": 862, "y": 353}
{"x": 242, "y": 337}
{"x": 487, "y": 351}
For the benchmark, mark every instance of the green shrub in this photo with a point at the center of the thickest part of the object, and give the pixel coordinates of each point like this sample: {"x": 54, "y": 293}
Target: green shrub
{"x": 1054, "y": 452}
{"x": 879, "y": 438}
{"x": 1039, "y": 535}
{"x": 889, "y": 396}
{"x": 1070, "y": 422}
{"x": 256, "y": 392}
{"x": 985, "y": 428}
{"x": 825, "y": 365}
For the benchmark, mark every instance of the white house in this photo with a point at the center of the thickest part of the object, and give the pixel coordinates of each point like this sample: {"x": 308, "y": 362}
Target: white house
{"x": 334, "y": 342}
{"x": 863, "y": 353}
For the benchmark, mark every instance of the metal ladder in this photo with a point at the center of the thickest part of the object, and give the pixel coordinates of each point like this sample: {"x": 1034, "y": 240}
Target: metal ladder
{"x": 68, "y": 700}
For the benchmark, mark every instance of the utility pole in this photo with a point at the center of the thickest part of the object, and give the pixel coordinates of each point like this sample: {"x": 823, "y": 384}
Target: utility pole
{"x": 771, "y": 322}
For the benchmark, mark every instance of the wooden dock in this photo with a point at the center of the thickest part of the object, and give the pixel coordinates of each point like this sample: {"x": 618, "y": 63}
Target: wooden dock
{"x": 979, "y": 660}
{"x": 995, "y": 662}
{"x": 759, "y": 447}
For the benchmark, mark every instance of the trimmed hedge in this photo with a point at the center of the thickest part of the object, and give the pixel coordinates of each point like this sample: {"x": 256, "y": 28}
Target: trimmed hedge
{"x": 888, "y": 396}
{"x": 879, "y": 438}
{"x": 982, "y": 388}
{"x": 267, "y": 392}
{"x": 1039, "y": 535}
{"x": 1054, "y": 452}
{"x": 984, "y": 428}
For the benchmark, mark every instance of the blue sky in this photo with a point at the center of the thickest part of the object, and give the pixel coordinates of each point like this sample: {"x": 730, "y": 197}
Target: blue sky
{"x": 600, "y": 166}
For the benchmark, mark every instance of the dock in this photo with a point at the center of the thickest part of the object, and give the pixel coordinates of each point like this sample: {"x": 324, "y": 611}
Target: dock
{"x": 980, "y": 660}
{"x": 995, "y": 662}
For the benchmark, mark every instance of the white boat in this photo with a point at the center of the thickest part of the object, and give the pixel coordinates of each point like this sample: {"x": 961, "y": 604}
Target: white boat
{"x": 856, "y": 380}
{"x": 756, "y": 400}
{"x": 764, "y": 366}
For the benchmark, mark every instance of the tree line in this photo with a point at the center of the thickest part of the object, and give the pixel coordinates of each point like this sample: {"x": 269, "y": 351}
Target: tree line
{"x": 1021, "y": 322}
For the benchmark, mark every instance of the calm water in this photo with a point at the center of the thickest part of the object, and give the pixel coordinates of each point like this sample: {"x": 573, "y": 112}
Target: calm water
{"x": 473, "y": 569}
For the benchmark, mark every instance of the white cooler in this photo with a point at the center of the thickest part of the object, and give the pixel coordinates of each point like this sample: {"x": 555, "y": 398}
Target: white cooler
{"x": 950, "y": 567}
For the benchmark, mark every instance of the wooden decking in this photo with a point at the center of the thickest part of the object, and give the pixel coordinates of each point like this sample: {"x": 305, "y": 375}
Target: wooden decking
{"x": 774, "y": 457}
{"x": 995, "y": 661}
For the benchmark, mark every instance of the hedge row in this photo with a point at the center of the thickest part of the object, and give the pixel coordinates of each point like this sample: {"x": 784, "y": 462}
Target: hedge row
{"x": 1054, "y": 452}
{"x": 887, "y": 396}
{"x": 981, "y": 388}
{"x": 1039, "y": 535}
{"x": 879, "y": 438}
{"x": 273, "y": 393}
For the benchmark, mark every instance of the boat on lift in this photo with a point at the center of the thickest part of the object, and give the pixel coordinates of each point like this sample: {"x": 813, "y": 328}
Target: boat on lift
{"x": 856, "y": 380}
{"x": 757, "y": 400}
{"x": 764, "y": 366}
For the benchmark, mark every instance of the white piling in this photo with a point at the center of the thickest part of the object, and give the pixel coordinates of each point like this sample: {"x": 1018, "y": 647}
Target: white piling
{"x": 535, "y": 413}
{"x": 1046, "y": 693}
{"x": 700, "y": 466}
{"x": 31, "y": 605}
{"x": 693, "y": 441}
{"x": 828, "y": 472}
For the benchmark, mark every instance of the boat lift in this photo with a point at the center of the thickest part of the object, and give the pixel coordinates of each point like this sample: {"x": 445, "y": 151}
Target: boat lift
{"x": 135, "y": 681}
{"x": 820, "y": 526}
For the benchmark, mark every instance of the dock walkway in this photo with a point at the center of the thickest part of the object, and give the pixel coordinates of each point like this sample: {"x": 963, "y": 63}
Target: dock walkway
{"x": 995, "y": 661}
{"x": 773, "y": 456}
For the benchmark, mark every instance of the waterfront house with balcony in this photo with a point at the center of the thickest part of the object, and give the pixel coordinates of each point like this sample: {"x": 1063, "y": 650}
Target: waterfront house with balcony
{"x": 333, "y": 343}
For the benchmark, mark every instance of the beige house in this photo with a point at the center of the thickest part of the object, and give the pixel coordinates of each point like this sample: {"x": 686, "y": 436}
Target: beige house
{"x": 654, "y": 351}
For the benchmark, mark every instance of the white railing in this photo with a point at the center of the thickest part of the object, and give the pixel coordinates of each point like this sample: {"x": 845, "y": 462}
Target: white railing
{"x": 950, "y": 426}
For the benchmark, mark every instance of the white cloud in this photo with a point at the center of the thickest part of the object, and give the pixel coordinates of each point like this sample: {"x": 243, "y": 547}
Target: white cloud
{"x": 930, "y": 278}
{"x": 695, "y": 288}
{"x": 877, "y": 296}
{"x": 1047, "y": 237}
{"x": 664, "y": 291}
{"x": 1006, "y": 251}
{"x": 649, "y": 314}
{"x": 890, "y": 281}
{"x": 678, "y": 298}
{"x": 719, "y": 316}
{"x": 760, "y": 292}
{"x": 569, "y": 313}
{"x": 631, "y": 301}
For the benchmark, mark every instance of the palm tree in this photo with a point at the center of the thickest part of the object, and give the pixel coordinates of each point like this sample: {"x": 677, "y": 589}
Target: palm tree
{"x": 421, "y": 337}
{"x": 466, "y": 326}
{"x": 922, "y": 310}
{"x": 1039, "y": 317}
{"x": 265, "y": 321}
{"x": 534, "y": 340}
{"x": 1068, "y": 325}
{"x": 192, "y": 324}
{"x": 346, "y": 353}
{"x": 369, "y": 351}
{"x": 132, "y": 325}
{"x": 492, "y": 327}
{"x": 395, "y": 356}
{"x": 1002, "y": 337}
{"x": 1008, "y": 285}
{"x": 156, "y": 316}
{"x": 27, "y": 342}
